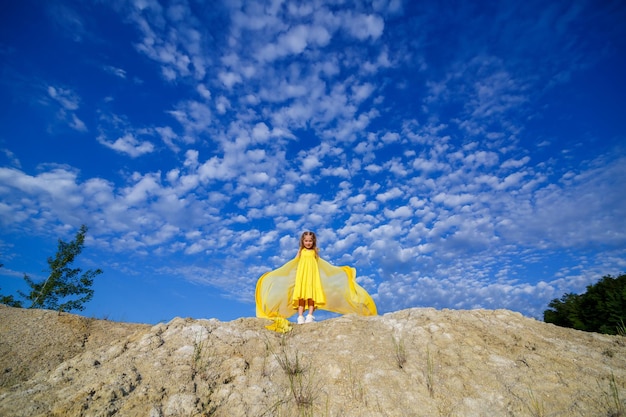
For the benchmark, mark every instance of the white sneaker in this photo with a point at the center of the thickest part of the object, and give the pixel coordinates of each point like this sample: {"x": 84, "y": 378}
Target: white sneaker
{"x": 300, "y": 319}
{"x": 309, "y": 319}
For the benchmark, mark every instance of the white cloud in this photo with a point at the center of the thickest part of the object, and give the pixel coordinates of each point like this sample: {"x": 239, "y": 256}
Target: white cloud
{"x": 78, "y": 124}
{"x": 260, "y": 132}
{"x": 390, "y": 137}
{"x": 401, "y": 212}
{"x": 129, "y": 145}
{"x": 362, "y": 92}
{"x": 194, "y": 117}
{"x": 453, "y": 200}
{"x": 69, "y": 102}
{"x": 292, "y": 42}
{"x": 341, "y": 172}
{"x": 215, "y": 168}
{"x": 222, "y": 104}
{"x": 140, "y": 191}
{"x": 168, "y": 136}
{"x": 310, "y": 162}
{"x": 512, "y": 180}
{"x": 481, "y": 158}
{"x": 203, "y": 91}
{"x": 13, "y": 160}
{"x": 395, "y": 192}
{"x": 426, "y": 166}
{"x": 65, "y": 97}
{"x": 515, "y": 163}
{"x": 364, "y": 26}
{"x": 229, "y": 79}
{"x": 118, "y": 72}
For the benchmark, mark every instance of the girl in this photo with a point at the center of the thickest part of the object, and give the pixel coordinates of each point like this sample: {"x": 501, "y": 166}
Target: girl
{"x": 308, "y": 284}
{"x": 308, "y": 280}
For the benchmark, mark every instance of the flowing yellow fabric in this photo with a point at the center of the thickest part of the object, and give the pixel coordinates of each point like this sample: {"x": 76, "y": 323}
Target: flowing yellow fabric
{"x": 275, "y": 291}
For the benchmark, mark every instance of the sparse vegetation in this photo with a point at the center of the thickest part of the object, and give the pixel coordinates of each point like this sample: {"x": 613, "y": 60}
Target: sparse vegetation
{"x": 430, "y": 373}
{"x": 203, "y": 378}
{"x": 201, "y": 355}
{"x": 616, "y": 408}
{"x": 399, "y": 351}
{"x": 300, "y": 376}
{"x": 535, "y": 405}
{"x": 357, "y": 392}
{"x": 299, "y": 380}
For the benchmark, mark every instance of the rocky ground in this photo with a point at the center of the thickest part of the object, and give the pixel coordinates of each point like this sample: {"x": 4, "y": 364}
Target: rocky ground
{"x": 417, "y": 362}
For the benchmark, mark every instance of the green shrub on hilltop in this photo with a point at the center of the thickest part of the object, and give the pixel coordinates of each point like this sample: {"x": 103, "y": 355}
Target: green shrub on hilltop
{"x": 601, "y": 309}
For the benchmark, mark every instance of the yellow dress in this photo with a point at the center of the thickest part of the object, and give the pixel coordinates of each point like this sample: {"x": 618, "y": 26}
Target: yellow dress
{"x": 308, "y": 283}
{"x": 342, "y": 294}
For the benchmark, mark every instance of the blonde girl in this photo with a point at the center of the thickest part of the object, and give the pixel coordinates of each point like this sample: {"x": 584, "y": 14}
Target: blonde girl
{"x": 308, "y": 285}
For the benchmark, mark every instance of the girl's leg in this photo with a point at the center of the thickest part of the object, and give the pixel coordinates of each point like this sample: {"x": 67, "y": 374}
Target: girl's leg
{"x": 300, "y": 311}
{"x": 310, "y": 318}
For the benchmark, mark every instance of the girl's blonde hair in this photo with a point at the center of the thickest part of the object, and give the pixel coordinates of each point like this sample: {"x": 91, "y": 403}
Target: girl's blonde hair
{"x": 305, "y": 234}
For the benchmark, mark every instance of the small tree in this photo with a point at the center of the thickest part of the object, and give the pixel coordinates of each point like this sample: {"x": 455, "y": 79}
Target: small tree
{"x": 63, "y": 281}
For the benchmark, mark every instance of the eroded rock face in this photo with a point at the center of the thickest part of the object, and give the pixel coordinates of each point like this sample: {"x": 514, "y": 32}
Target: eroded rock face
{"x": 417, "y": 362}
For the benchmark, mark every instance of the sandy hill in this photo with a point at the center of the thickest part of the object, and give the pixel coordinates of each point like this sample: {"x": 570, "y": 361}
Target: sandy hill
{"x": 417, "y": 362}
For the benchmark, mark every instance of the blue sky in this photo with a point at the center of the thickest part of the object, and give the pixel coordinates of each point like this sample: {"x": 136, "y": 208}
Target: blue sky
{"x": 458, "y": 154}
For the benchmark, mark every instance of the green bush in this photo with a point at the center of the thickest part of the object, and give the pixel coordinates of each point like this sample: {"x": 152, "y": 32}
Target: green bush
{"x": 601, "y": 309}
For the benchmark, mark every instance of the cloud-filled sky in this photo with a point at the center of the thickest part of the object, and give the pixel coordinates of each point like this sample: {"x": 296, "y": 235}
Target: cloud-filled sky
{"x": 457, "y": 154}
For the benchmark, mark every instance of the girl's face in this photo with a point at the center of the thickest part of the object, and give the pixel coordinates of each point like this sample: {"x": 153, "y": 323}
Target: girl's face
{"x": 308, "y": 242}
